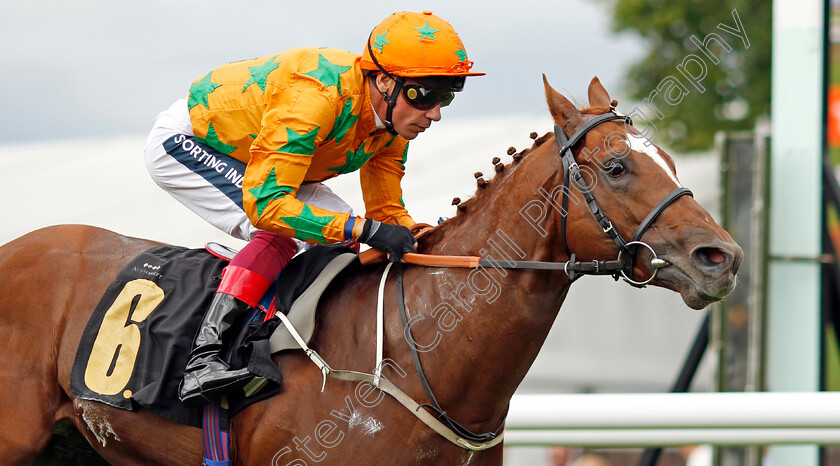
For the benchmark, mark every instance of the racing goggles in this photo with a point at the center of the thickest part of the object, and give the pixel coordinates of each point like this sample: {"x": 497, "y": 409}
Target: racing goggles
{"x": 423, "y": 98}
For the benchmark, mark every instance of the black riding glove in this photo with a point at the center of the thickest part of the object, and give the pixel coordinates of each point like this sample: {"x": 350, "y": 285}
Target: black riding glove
{"x": 393, "y": 239}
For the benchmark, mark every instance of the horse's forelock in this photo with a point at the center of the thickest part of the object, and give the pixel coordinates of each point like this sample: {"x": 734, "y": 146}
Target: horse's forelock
{"x": 596, "y": 110}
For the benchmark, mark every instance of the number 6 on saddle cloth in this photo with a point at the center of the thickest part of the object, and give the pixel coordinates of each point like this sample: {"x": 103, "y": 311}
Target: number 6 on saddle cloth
{"x": 136, "y": 344}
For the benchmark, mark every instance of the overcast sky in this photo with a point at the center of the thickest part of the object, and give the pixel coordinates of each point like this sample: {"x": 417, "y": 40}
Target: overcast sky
{"x": 101, "y": 68}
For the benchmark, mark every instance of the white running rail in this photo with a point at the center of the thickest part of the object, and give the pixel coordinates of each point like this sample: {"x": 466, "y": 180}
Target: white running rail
{"x": 637, "y": 420}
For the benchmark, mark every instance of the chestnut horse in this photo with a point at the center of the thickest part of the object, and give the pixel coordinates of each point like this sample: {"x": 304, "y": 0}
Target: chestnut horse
{"x": 477, "y": 330}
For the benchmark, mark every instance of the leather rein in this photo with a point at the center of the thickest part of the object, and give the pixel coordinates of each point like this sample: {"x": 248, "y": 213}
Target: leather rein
{"x": 573, "y": 268}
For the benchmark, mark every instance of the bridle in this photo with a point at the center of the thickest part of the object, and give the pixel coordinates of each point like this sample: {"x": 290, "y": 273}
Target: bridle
{"x": 438, "y": 419}
{"x": 621, "y": 267}
{"x": 572, "y": 171}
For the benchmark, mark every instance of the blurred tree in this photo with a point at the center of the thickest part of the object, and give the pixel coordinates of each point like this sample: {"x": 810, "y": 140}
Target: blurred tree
{"x": 736, "y": 90}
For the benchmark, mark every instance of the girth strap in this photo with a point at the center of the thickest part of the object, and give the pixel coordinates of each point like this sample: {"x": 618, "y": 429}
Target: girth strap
{"x": 386, "y": 386}
{"x": 435, "y": 407}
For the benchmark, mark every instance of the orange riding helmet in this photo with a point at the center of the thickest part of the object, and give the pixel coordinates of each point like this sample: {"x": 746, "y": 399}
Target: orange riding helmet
{"x": 416, "y": 44}
{"x": 420, "y": 46}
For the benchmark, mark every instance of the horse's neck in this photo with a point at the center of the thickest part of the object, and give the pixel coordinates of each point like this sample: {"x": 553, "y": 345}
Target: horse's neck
{"x": 505, "y": 315}
{"x": 502, "y": 214}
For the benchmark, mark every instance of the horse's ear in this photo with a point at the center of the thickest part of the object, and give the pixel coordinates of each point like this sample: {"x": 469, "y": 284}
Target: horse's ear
{"x": 598, "y": 96}
{"x": 565, "y": 114}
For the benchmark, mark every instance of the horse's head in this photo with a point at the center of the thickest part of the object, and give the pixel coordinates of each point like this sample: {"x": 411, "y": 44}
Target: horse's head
{"x": 628, "y": 177}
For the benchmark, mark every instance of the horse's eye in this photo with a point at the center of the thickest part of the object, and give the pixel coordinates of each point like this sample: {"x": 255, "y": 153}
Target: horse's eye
{"x": 615, "y": 169}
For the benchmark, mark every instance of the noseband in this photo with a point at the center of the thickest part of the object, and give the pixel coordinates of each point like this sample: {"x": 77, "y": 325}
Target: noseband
{"x": 571, "y": 171}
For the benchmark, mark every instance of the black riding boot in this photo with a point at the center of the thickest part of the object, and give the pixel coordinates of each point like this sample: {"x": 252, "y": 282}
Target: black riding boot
{"x": 206, "y": 376}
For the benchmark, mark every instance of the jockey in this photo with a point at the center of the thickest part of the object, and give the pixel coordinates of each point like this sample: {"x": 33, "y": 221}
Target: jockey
{"x": 250, "y": 147}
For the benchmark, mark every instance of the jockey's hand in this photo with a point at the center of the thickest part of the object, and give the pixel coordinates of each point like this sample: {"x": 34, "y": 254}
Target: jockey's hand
{"x": 393, "y": 239}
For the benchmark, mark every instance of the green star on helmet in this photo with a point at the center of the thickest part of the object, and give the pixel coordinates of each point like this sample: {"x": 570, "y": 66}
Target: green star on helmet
{"x": 269, "y": 191}
{"x": 427, "y": 32}
{"x": 328, "y": 73}
{"x": 462, "y": 54}
{"x": 381, "y": 41}
{"x": 199, "y": 91}
{"x": 307, "y": 225}
{"x": 259, "y": 73}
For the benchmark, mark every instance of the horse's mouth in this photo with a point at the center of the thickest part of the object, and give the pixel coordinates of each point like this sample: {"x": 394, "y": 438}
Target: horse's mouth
{"x": 697, "y": 294}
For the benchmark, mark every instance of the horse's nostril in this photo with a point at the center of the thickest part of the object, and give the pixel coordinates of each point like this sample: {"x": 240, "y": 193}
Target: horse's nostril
{"x": 715, "y": 255}
{"x": 710, "y": 257}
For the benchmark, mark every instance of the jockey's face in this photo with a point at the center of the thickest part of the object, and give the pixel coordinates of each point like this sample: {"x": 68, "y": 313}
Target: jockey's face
{"x": 408, "y": 121}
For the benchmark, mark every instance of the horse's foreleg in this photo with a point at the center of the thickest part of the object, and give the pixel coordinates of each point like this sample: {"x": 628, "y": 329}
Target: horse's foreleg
{"x": 27, "y": 420}
{"x": 50, "y": 282}
{"x": 29, "y": 389}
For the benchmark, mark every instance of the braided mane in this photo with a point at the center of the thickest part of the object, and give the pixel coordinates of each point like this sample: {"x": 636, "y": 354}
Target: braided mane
{"x": 500, "y": 174}
{"x": 487, "y": 184}
{"x": 517, "y": 156}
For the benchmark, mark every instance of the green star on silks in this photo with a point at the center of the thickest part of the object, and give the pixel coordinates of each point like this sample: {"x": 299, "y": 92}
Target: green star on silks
{"x": 302, "y": 144}
{"x": 259, "y": 73}
{"x": 269, "y": 191}
{"x": 212, "y": 140}
{"x": 405, "y": 157}
{"x": 307, "y": 225}
{"x": 328, "y": 73}
{"x": 199, "y": 91}
{"x": 343, "y": 122}
{"x": 381, "y": 41}
{"x": 427, "y": 31}
{"x": 462, "y": 54}
{"x": 354, "y": 160}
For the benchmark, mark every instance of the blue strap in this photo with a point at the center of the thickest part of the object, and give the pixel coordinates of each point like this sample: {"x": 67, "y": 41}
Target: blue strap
{"x": 216, "y": 440}
{"x": 209, "y": 462}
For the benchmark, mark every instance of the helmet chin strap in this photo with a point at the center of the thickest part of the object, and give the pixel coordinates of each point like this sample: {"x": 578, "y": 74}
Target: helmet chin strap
{"x": 391, "y": 99}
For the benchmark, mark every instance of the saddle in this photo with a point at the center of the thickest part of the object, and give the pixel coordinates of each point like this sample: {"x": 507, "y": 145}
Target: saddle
{"x": 134, "y": 349}
{"x": 137, "y": 341}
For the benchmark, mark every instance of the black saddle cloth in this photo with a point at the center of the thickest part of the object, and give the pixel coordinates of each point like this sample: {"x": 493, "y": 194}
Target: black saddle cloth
{"x": 136, "y": 344}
